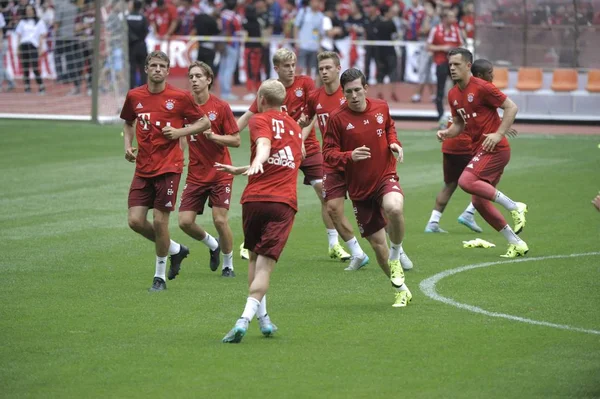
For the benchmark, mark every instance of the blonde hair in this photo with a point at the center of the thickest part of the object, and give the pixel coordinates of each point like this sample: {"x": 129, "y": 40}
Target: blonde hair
{"x": 273, "y": 91}
{"x": 282, "y": 55}
{"x": 326, "y": 55}
{"x": 208, "y": 72}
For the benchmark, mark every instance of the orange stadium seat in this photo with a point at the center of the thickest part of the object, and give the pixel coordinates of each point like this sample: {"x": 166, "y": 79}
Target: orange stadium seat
{"x": 501, "y": 78}
{"x": 529, "y": 79}
{"x": 593, "y": 84}
{"x": 564, "y": 80}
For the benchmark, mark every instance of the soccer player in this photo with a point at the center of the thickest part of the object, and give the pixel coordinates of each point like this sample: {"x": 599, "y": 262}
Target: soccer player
{"x": 297, "y": 90}
{"x": 160, "y": 110}
{"x": 474, "y": 104}
{"x": 362, "y": 138}
{"x": 321, "y": 103}
{"x": 269, "y": 202}
{"x": 457, "y": 153}
{"x": 204, "y": 182}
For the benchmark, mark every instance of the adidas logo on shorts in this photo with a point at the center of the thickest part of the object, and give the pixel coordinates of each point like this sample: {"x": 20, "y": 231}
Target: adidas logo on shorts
{"x": 283, "y": 157}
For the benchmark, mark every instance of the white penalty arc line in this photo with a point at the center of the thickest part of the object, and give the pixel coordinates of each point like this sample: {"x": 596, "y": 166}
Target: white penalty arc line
{"x": 429, "y": 289}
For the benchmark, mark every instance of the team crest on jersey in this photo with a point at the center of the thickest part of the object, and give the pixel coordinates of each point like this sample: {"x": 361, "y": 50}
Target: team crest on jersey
{"x": 342, "y": 100}
{"x": 299, "y": 92}
{"x": 470, "y": 97}
{"x": 212, "y": 116}
{"x": 170, "y": 104}
{"x": 379, "y": 118}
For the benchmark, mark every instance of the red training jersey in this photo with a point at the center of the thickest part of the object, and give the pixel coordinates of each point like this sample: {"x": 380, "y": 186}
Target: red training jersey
{"x": 157, "y": 154}
{"x": 348, "y": 130}
{"x": 163, "y": 18}
{"x": 322, "y": 104}
{"x": 459, "y": 145}
{"x": 204, "y": 152}
{"x": 440, "y": 36}
{"x": 278, "y": 182}
{"x": 477, "y": 104}
{"x": 294, "y": 104}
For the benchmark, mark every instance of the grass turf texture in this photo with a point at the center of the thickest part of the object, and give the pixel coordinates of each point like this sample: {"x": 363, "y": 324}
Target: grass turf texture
{"x": 76, "y": 318}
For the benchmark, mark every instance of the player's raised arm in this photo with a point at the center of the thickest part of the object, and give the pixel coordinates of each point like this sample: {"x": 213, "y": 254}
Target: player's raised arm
{"x": 263, "y": 150}
{"x": 243, "y": 120}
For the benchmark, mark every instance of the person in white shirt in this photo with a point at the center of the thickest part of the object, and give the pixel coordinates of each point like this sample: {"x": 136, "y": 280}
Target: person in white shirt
{"x": 31, "y": 33}
{"x": 3, "y": 72}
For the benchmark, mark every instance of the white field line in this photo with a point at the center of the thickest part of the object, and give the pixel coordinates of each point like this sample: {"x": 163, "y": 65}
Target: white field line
{"x": 428, "y": 286}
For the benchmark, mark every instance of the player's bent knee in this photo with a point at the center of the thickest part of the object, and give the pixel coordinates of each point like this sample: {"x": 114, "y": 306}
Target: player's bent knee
{"x": 135, "y": 223}
{"x": 335, "y": 209}
{"x": 220, "y": 221}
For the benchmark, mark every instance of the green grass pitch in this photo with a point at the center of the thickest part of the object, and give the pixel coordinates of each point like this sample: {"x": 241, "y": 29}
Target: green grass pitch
{"x": 76, "y": 319}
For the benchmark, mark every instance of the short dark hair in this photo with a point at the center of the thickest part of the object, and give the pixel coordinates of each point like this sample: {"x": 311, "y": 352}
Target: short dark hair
{"x": 463, "y": 52}
{"x": 480, "y": 66}
{"x": 351, "y": 75}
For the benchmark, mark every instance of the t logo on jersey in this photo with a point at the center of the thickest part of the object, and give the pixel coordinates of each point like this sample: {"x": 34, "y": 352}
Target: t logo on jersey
{"x": 323, "y": 119}
{"x": 144, "y": 120}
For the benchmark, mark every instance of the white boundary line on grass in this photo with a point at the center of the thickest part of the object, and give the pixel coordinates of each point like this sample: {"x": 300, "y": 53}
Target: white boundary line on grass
{"x": 429, "y": 289}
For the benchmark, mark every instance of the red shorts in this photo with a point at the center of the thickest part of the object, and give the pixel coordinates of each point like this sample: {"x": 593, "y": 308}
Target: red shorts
{"x": 369, "y": 212}
{"x": 312, "y": 167}
{"x": 489, "y": 166}
{"x": 158, "y": 192}
{"x": 454, "y": 164}
{"x": 194, "y": 196}
{"x": 267, "y": 226}
{"x": 334, "y": 185}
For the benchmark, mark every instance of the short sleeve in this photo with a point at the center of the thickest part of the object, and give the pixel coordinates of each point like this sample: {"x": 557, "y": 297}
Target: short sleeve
{"x": 491, "y": 95}
{"x": 310, "y": 106}
{"x": 259, "y": 128}
{"x": 229, "y": 123}
{"x": 19, "y": 29}
{"x": 452, "y": 107}
{"x": 254, "y": 107}
{"x": 127, "y": 113}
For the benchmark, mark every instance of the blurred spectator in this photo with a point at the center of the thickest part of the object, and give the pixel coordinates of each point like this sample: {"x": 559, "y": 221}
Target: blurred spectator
{"x": 138, "y": 26}
{"x": 31, "y": 32}
{"x": 205, "y": 24}
{"x": 387, "y": 59}
{"x": 442, "y": 39}
{"x": 333, "y": 29}
{"x": 84, "y": 27}
{"x": 430, "y": 20}
{"x": 232, "y": 26}
{"x": 186, "y": 13}
{"x": 67, "y": 56}
{"x": 163, "y": 19}
{"x": 264, "y": 18}
{"x": 413, "y": 19}
{"x": 467, "y": 21}
{"x": 370, "y": 26}
{"x": 309, "y": 30}
{"x": 275, "y": 17}
{"x": 3, "y": 71}
{"x": 253, "y": 53}
{"x": 115, "y": 29}
{"x": 288, "y": 15}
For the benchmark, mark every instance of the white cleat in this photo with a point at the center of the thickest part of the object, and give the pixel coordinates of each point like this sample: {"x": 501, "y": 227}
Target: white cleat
{"x": 405, "y": 261}
{"x": 357, "y": 262}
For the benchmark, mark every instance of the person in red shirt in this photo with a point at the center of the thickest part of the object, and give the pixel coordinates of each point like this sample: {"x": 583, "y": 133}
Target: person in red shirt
{"x": 158, "y": 111}
{"x": 321, "y": 103}
{"x": 163, "y": 19}
{"x": 467, "y": 21}
{"x": 474, "y": 104}
{"x": 361, "y": 137}
{"x": 204, "y": 182}
{"x": 269, "y": 202}
{"x": 298, "y": 89}
{"x": 443, "y": 38}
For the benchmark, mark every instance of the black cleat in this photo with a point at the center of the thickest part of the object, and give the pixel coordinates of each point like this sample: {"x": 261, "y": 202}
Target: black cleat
{"x": 176, "y": 261}
{"x": 158, "y": 284}
{"x": 227, "y": 272}
{"x": 215, "y": 258}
